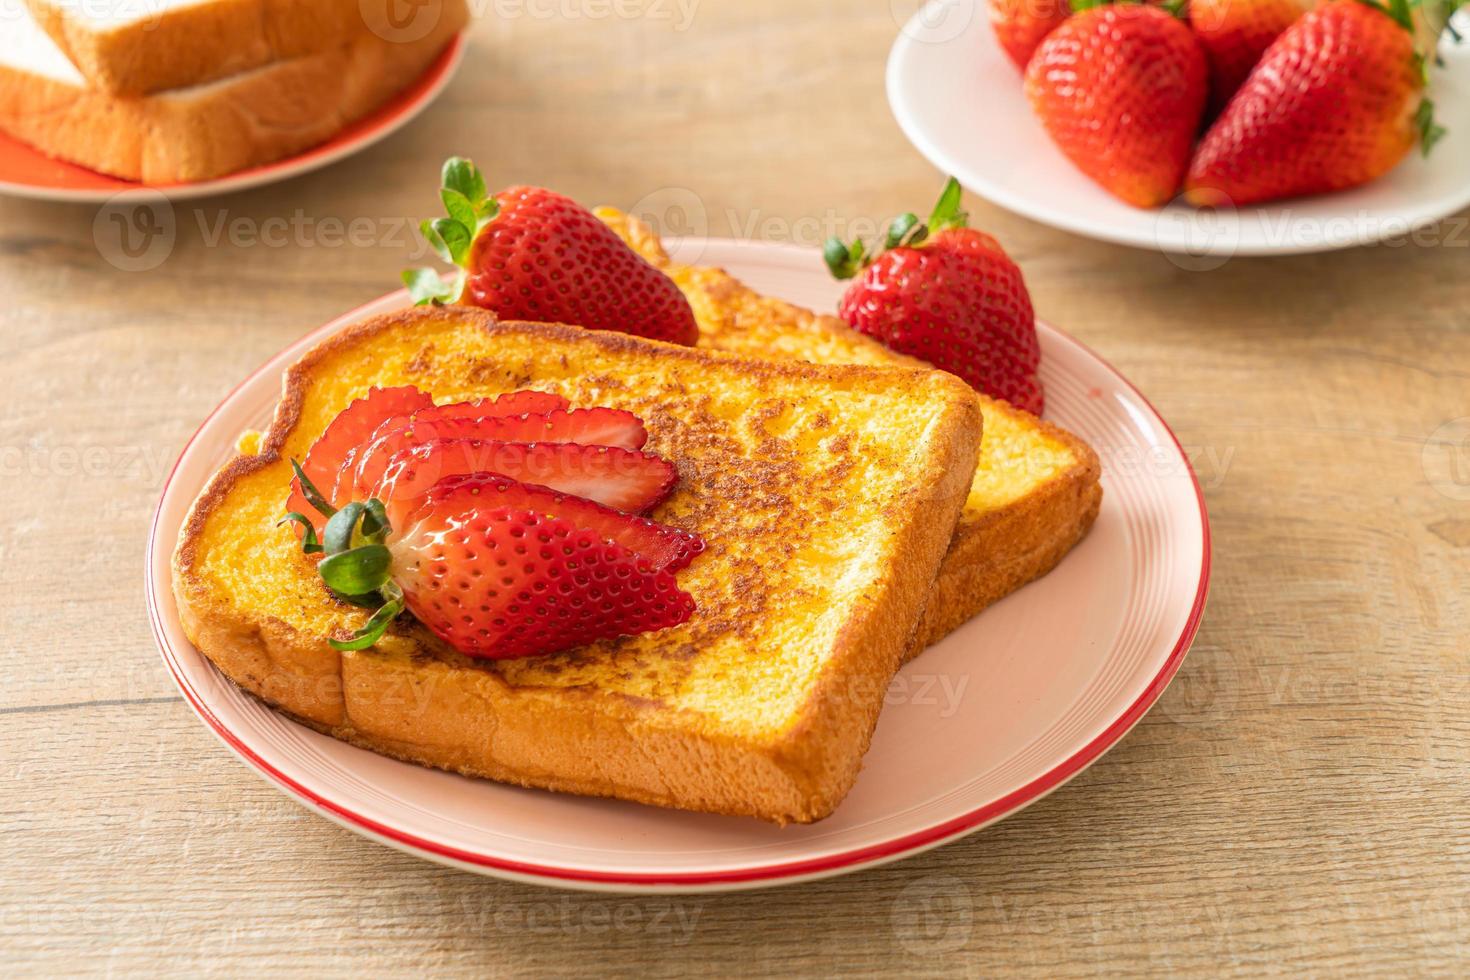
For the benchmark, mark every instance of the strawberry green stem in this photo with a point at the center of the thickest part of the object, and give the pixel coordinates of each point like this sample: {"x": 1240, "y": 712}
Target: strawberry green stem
{"x": 904, "y": 231}
{"x": 309, "y": 543}
{"x": 470, "y": 208}
{"x": 372, "y": 631}
{"x": 337, "y": 535}
{"x": 311, "y": 493}
{"x": 359, "y": 572}
{"x": 358, "y": 566}
{"x": 947, "y": 213}
{"x": 1430, "y": 132}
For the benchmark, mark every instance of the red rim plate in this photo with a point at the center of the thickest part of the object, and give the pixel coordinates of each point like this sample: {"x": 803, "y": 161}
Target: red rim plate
{"x": 769, "y": 874}
{"x": 27, "y": 172}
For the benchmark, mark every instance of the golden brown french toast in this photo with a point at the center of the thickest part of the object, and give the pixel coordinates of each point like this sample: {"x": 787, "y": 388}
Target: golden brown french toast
{"x": 826, "y": 495}
{"x": 1036, "y": 490}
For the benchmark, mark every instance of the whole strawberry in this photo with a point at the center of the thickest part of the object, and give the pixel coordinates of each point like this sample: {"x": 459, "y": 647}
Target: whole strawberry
{"x": 563, "y": 586}
{"x": 1235, "y": 33}
{"x": 1121, "y": 90}
{"x": 1020, "y": 25}
{"x": 949, "y": 295}
{"x": 1336, "y": 101}
{"x": 528, "y": 253}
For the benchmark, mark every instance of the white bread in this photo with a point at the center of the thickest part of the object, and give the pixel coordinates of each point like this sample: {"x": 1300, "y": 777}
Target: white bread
{"x": 207, "y": 130}
{"x": 133, "y": 47}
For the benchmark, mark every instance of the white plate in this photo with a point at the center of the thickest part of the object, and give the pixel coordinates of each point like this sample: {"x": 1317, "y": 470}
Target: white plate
{"x": 959, "y": 100}
{"x": 27, "y": 172}
{"x": 1027, "y": 694}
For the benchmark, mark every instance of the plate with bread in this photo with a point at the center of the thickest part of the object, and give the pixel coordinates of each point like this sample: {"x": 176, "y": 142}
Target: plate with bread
{"x": 708, "y": 591}
{"x": 1204, "y": 130}
{"x": 190, "y": 98}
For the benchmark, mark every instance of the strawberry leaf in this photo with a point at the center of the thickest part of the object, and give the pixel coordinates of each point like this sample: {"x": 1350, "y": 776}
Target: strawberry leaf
{"x": 427, "y": 286}
{"x": 898, "y": 228}
{"x": 370, "y": 601}
{"x": 1430, "y": 132}
{"x": 462, "y": 177}
{"x": 375, "y": 526}
{"x": 356, "y": 524}
{"x": 309, "y": 543}
{"x": 337, "y": 535}
{"x": 844, "y": 261}
{"x": 358, "y": 571}
{"x": 372, "y": 631}
{"x": 311, "y": 493}
{"x": 436, "y": 241}
{"x": 459, "y": 207}
{"x": 470, "y": 209}
{"x": 1398, "y": 10}
{"x": 456, "y": 238}
{"x": 947, "y": 213}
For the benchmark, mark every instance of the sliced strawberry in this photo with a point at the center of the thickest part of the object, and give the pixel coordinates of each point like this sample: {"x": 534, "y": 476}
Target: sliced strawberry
{"x": 618, "y": 478}
{"x": 510, "y": 403}
{"x": 613, "y": 477}
{"x": 525, "y": 402}
{"x": 586, "y": 426}
{"x": 350, "y": 428}
{"x": 662, "y": 546}
{"x": 502, "y": 583}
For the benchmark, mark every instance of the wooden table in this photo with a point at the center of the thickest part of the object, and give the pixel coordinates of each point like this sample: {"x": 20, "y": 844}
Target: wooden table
{"x": 1298, "y": 800}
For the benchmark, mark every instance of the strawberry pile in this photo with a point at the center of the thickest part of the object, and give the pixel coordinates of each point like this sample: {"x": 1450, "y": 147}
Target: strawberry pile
{"x": 528, "y": 253}
{"x": 1300, "y": 97}
{"x": 946, "y": 294}
{"x": 509, "y": 527}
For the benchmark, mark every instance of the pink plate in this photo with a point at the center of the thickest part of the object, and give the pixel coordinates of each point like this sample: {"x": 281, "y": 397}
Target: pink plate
{"x": 1033, "y": 690}
{"x": 27, "y": 172}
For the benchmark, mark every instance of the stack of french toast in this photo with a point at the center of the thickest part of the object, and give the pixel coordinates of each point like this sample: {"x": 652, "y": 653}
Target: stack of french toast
{"x": 852, "y": 506}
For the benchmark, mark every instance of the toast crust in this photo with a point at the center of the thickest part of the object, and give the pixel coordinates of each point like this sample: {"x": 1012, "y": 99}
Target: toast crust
{"x": 1006, "y": 537}
{"x": 246, "y": 120}
{"x": 996, "y": 551}
{"x": 413, "y": 699}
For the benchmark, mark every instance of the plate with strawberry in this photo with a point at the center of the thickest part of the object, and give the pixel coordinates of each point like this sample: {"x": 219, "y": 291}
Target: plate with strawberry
{"x": 405, "y": 499}
{"x": 1213, "y": 128}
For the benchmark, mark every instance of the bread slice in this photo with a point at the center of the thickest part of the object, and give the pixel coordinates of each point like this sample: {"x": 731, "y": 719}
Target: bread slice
{"x": 827, "y": 497}
{"x": 1036, "y": 490}
{"x": 124, "y": 47}
{"x": 208, "y": 130}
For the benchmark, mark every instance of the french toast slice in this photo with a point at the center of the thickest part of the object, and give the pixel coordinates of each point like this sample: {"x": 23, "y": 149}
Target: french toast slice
{"x": 827, "y": 496}
{"x": 1036, "y": 491}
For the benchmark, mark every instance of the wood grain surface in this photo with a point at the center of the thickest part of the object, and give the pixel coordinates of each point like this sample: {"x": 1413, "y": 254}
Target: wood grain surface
{"x": 1297, "y": 802}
